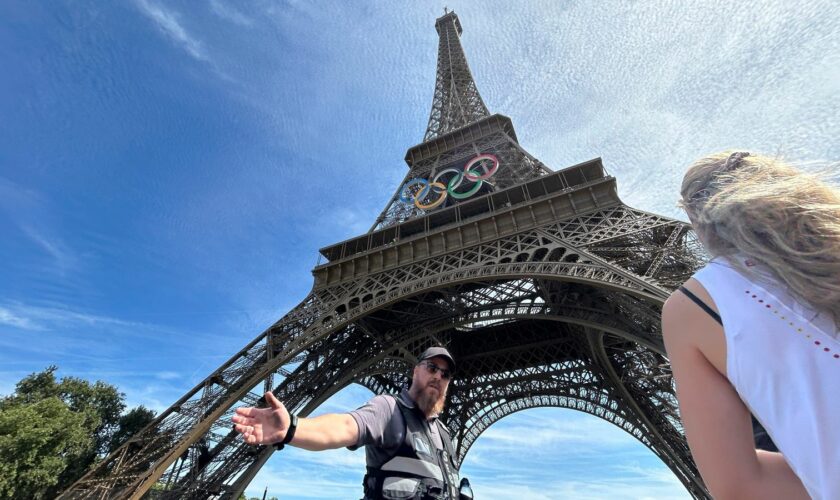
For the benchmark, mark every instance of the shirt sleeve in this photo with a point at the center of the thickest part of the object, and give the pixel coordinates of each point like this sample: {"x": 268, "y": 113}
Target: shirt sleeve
{"x": 375, "y": 423}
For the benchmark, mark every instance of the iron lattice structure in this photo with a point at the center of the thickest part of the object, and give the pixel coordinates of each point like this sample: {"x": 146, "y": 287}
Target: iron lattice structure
{"x": 545, "y": 286}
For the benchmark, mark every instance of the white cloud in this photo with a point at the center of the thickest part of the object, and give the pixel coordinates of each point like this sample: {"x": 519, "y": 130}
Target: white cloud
{"x": 9, "y": 318}
{"x": 566, "y": 432}
{"x": 229, "y": 13}
{"x": 167, "y": 22}
{"x": 150, "y": 396}
{"x": 302, "y": 483}
{"x": 45, "y": 318}
{"x": 592, "y": 489}
{"x": 553, "y": 453}
{"x": 342, "y": 459}
{"x": 54, "y": 246}
{"x": 348, "y": 220}
{"x": 31, "y": 212}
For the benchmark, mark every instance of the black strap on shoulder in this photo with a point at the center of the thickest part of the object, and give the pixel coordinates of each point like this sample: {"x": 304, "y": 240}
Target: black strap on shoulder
{"x": 702, "y": 304}
{"x": 445, "y": 438}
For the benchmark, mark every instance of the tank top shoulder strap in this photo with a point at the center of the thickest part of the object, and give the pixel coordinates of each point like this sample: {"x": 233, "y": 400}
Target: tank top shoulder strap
{"x": 697, "y": 300}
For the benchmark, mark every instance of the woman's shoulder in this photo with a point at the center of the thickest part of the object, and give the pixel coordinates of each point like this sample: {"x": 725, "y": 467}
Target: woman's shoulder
{"x": 680, "y": 304}
{"x": 687, "y": 326}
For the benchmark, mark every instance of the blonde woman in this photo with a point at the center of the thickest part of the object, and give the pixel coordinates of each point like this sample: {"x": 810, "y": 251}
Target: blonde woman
{"x": 755, "y": 331}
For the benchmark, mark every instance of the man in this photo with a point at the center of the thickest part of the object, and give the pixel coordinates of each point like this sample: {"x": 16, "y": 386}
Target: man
{"x": 409, "y": 451}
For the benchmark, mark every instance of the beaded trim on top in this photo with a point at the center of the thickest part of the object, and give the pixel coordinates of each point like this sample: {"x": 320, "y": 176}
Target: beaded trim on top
{"x": 792, "y": 324}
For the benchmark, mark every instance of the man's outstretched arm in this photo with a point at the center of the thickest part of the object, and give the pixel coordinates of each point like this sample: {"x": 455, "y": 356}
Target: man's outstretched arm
{"x": 325, "y": 432}
{"x": 269, "y": 425}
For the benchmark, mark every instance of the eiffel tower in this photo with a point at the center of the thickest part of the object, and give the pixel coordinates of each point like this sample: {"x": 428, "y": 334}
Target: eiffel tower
{"x": 546, "y": 288}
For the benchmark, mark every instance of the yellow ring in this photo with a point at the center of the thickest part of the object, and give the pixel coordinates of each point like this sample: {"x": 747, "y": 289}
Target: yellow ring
{"x": 434, "y": 203}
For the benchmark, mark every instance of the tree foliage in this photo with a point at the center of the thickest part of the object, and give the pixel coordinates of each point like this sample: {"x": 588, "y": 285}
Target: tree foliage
{"x": 52, "y": 432}
{"x": 37, "y": 440}
{"x": 130, "y": 424}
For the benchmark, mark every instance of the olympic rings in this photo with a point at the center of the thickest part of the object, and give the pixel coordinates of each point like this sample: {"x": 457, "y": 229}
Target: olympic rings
{"x": 487, "y": 172}
{"x": 419, "y": 191}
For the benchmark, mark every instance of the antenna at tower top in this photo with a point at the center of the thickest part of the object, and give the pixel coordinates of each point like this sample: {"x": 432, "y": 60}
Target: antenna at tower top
{"x": 456, "y": 101}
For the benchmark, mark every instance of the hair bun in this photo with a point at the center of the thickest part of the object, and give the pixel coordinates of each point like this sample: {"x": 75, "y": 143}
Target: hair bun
{"x": 734, "y": 161}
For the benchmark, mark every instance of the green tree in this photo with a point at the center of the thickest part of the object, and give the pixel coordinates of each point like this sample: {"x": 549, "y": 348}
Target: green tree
{"x": 37, "y": 440}
{"x": 130, "y": 424}
{"x": 98, "y": 400}
{"x": 92, "y": 410}
{"x": 105, "y": 401}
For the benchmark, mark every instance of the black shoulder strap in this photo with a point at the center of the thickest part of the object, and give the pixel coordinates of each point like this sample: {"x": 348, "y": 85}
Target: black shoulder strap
{"x": 445, "y": 438}
{"x": 702, "y": 304}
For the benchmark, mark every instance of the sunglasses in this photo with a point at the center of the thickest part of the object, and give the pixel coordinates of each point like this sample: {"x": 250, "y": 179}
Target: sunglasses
{"x": 433, "y": 368}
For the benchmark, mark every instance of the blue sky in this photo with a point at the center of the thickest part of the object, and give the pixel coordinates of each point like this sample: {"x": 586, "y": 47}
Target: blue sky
{"x": 168, "y": 171}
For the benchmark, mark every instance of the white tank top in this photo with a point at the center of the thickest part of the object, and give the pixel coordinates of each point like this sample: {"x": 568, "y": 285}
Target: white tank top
{"x": 783, "y": 358}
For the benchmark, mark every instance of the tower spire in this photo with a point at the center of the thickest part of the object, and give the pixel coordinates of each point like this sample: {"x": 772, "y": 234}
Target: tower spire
{"x": 456, "y": 102}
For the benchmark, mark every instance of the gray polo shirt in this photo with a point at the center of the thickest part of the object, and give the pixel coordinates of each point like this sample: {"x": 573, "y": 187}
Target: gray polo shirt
{"x": 382, "y": 428}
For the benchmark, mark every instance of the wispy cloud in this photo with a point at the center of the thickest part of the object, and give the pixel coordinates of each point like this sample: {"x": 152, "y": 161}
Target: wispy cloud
{"x": 229, "y": 13}
{"x": 167, "y": 375}
{"x": 592, "y": 489}
{"x": 152, "y": 396}
{"x": 53, "y": 246}
{"x": 534, "y": 432}
{"x": 167, "y": 21}
{"x": 46, "y": 318}
{"x": 567, "y": 446}
{"x": 31, "y": 212}
{"x": 9, "y": 318}
{"x": 286, "y": 476}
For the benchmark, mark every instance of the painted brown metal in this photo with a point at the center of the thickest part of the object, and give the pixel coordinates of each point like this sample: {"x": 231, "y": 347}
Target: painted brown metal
{"x": 546, "y": 288}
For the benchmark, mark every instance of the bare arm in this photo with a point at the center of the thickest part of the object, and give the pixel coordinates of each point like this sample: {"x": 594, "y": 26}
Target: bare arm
{"x": 716, "y": 421}
{"x": 269, "y": 425}
{"x": 325, "y": 432}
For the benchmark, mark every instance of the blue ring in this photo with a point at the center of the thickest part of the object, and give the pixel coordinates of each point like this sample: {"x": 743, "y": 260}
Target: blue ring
{"x": 420, "y": 195}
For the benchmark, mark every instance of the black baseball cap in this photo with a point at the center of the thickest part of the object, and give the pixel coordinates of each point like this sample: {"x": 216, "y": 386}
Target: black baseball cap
{"x": 433, "y": 352}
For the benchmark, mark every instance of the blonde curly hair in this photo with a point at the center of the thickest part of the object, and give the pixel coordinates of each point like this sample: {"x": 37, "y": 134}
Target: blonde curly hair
{"x": 774, "y": 213}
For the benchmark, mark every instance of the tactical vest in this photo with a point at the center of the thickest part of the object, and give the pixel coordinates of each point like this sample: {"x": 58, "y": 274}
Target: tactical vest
{"x": 417, "y": 471}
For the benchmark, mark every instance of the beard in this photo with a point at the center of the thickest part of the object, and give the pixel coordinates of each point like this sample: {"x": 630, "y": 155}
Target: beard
{"x": 431, "y": 400}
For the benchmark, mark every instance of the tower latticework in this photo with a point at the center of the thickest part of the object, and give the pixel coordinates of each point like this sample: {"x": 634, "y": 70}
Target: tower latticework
{"x": 546, "y": 288}
{"x": 456, "y": 102}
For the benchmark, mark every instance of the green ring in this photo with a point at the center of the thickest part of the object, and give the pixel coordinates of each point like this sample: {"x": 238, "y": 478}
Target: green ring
{"x": 467, "y": 194}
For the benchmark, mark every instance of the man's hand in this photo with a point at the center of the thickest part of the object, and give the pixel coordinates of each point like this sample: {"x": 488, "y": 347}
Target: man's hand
{"x": 269, "y": 425}
{"x": 263, "y": 425}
